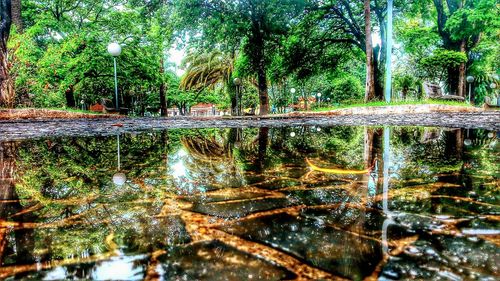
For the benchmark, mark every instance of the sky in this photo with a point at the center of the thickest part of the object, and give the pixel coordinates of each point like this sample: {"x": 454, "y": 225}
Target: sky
{"x": 176, "y": 55}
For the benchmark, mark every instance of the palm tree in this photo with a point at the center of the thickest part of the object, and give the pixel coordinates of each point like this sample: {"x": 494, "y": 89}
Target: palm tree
{"x": 209, "y": 70}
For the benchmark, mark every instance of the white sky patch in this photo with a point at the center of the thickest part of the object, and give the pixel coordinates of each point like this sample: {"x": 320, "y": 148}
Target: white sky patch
{"x": 376, "y": 38}
{"x": 175, "y": 57}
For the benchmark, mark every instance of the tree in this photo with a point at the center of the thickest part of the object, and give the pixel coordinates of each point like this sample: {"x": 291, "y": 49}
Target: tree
{"x": 252, "y": 25}
{"x": 370, "y": 76}
{"x": 16, "y": 15}
{"x": 6, "y": 82}
{"x": 209, "y": 70}
{"x": 460, "y": 26}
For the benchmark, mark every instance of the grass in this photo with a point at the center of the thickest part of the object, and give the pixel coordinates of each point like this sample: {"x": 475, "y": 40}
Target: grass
{"x": 58, "y": 113}
{"x": 397, "y": 103}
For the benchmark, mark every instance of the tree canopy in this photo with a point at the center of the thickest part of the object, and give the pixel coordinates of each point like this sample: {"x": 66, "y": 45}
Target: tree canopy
{"x": 54, "y": 52}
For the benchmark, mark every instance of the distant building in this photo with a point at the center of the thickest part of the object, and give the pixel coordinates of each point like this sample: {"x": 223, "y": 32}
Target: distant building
{"x": 200, "y": 109}
{"x": 173, "y": 111}
{"x": 302, "y": 105}
{"x": 204, "y": 109}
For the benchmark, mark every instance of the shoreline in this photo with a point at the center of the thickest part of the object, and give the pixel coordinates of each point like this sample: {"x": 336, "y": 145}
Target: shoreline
{"x": 14, "y": 130}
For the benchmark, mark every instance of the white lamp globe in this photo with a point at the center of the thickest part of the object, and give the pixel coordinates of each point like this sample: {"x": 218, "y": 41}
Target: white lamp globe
{"x": 119, "y": 179}
{"x": 470, "y": 79}
{"x": 292, "y": 90}
{"x": 319, "y": 94}
{"x": 114, "y": 49}
{"x": 468, "y": 142}
{"x": 292, "y": 134}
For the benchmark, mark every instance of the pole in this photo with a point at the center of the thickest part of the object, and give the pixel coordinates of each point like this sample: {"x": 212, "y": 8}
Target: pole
{"x": 388, "y": 68}
{"x": 237, "y": 106}
{"x": 116, "y": 86}
{"x": 118, "y": 151}
{"x": 470, "y": 91}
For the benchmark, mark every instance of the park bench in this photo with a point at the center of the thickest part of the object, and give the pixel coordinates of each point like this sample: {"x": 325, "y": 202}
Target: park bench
{"x": 107, "y": 106}
{"x": 488, "y": 103}
{"x": 434, "y": 91}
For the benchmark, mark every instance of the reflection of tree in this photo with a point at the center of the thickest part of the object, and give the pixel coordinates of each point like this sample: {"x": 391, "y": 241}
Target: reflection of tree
{"x": 11, "y": 208}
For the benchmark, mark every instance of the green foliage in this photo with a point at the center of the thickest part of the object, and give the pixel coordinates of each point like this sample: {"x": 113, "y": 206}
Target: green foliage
{"x": 440, "y": 61}
{"x": 312, "y": 46}
{"x": 346, "y": 88}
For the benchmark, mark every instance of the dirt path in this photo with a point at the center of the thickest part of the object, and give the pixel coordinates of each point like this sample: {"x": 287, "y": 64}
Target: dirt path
{"x": 28, "y": 129}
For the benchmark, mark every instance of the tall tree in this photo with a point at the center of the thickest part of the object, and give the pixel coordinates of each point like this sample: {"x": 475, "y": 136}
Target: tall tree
{"x": 461, "y": 26}
{"x": 16, "y": 15}
{"x": 341, "y": 22}
{"x": 370, "y": 75}
{"x": 6, "y": 83}
{"x": 209, "y": 70}
{"x": 255, "y": 25}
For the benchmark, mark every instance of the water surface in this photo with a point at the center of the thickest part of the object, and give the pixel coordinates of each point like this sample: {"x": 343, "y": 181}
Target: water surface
{"x": 243, "y": 204}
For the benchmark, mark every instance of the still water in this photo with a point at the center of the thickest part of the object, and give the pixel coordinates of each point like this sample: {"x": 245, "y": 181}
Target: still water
{"x": 316, "y": 203}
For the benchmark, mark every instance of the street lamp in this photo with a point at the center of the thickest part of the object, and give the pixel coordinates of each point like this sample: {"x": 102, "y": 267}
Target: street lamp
{"x": 237, "y": 83}
{"x": 319, "y": 99}
{"x": 470, "y": 80}
{"x": 493, "y": 87}
{"x": 115, "y": 50}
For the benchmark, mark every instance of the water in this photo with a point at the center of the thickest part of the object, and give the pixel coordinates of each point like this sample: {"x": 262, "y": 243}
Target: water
{"x": 253, "y": 204}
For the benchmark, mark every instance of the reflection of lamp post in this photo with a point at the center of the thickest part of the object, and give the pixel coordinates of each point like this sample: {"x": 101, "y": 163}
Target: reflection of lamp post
{"x": 119, "y": 178}
{"x": 115, "y": 50}
{"x": 467, "y": 141}
{"x": 470, "y": 80}
{"x": 213, "y": 109}
{"x": 237, "y": 83}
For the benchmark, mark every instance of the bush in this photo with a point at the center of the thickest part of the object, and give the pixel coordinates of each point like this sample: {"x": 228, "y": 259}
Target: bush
{"x": 346, "y": 88}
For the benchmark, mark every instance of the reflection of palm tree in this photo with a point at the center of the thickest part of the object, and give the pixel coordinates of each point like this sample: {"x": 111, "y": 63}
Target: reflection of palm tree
{"x": 211, "y": 160}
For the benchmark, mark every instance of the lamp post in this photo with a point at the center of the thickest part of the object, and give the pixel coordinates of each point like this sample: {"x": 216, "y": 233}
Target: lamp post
{"x": 470, "y": 80}
{"x": 493, "y": 87}
{"x": 237, "y": 83}
{"x": 319, "y": 99}
{"x": 115, "y": 50}
{"x": 292, "y": 91}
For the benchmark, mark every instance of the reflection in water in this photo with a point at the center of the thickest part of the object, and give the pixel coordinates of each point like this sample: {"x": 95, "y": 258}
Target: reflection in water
{"x": 407, "y": 203}
{"x": 385, "y": 199}
{"x": 119, "y": 178}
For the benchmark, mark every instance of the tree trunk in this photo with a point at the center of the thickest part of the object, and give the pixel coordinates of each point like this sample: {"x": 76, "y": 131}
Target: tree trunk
{"x": 263, "y": 142}
{"x": 259, "y": 62}
{"x": 16, "y": 15}
{"x": 370, "y": 76}
{"x": 163, "y": 98}
{"x": 452, "y": 78}
{"x": 263, "y": 96}
{"x": 70, "y": 97}
{"x": 6, "y": 83}
{"x": 378, "y": 73}
{"x": 461, "y": 73}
